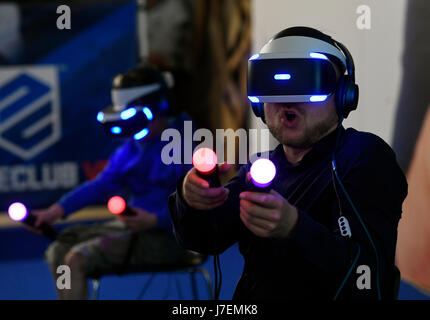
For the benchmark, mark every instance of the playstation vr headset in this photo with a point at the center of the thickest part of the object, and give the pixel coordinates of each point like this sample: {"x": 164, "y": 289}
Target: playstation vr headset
{"x": 138, "y": 97}
{"x": 296, "y": 65}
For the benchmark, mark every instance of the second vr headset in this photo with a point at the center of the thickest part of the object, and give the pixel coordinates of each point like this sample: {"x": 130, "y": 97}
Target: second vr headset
{"x": 295, "y": 66}
{"x": 138, "y": 97}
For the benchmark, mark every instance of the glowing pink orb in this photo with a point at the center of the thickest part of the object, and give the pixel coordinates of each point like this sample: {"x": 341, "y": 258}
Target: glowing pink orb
{"x": 17, "y": 211}
{"x": 205, "y": 160}
{"x": 116, "y": 205}
{"x": 262, "y": 172}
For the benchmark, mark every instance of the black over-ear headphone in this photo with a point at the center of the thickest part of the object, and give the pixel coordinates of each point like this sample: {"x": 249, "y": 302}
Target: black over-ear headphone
{"x": 346, "y": 95}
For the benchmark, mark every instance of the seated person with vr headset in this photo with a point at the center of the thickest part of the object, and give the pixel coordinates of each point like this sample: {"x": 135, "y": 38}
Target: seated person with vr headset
{"x": 142, "y": 108}
{"x": 327, "y": 226}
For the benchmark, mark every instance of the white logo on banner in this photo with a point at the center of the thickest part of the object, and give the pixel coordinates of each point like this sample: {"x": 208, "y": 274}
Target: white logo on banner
{"x": 29, "y": 109}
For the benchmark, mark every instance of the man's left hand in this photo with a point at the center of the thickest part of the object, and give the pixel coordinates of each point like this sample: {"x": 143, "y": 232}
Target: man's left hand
{"x": 143, "y": 220}
{"x": 267, "y": 214}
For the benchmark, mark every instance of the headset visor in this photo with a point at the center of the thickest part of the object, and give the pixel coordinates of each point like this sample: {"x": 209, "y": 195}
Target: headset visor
{"x": 290, "y": 80}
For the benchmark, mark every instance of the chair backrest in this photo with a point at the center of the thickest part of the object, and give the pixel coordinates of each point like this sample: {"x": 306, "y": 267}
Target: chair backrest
{"x": 188, "y": 260}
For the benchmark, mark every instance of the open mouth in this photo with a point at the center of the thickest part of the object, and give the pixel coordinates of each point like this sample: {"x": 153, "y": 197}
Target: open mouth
{"x": 290, "y": 116}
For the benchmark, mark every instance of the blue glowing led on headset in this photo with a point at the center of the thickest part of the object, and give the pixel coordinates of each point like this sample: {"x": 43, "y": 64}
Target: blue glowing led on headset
{"x": 141, "y": 134}
{"x": 100, "y": 116}
{"x": 254, "y": 99}
{"x": 116, "y": 130}
{"x": 317, "y": 55}
{"x": 129, "y": 113}
{"x": 318, "y": 98}
{"x": 282, "y": 76}
{"x": 148, "y": 113}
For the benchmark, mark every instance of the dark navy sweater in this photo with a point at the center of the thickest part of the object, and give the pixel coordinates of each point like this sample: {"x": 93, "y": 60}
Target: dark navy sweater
{"x": 316, "y": 261}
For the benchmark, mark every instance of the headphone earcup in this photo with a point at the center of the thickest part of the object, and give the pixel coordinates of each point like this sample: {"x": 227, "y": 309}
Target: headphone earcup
{"x": 258, "y": 109}
{"x": 346, "y": 96}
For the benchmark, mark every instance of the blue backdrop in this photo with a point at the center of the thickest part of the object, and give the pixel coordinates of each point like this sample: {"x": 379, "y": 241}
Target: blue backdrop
{"x": 50, "y": 93}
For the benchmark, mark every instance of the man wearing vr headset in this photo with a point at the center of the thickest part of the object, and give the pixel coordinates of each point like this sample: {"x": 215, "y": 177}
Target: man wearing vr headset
{"x": 328, "y": 227}
{"x": 142, "y": 108}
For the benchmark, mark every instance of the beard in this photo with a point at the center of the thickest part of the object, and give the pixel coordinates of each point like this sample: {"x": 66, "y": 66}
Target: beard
{"x": 308, "y": 135}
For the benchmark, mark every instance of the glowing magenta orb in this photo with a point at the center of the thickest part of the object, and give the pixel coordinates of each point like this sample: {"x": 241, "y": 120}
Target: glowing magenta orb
{"x": 262, "y": 172}
{"x": 205, "y": 160}
{"x": 116, "y": 205}
{"x": 17, "y": 211}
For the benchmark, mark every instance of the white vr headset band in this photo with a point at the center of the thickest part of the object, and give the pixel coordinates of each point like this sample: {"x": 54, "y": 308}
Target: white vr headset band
{"x": 298, "y": 47}
{"x": 122, "y": 97}
{"x": 291, "y": 98}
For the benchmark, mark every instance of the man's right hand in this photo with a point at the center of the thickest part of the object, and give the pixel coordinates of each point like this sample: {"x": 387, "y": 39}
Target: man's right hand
{"x": 199, "y": 195}
{"x": 48, "y": 216}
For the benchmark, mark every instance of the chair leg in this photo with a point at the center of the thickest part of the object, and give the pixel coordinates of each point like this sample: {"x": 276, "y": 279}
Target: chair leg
{"x": 169, "y": 280}
{"x": 96, "y": 287}
{"x": 192, "y": 271}
{"x": 178, "y": 289}
{"x": 207, "y": 280}
{"x": 142, "y": 292}
{"x": 193, "y": 283}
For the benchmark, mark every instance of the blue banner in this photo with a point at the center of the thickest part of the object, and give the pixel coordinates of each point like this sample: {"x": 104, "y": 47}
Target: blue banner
{"x": 51, "y": 90}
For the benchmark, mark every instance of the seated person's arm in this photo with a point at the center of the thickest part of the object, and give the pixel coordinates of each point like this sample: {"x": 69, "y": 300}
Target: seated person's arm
{"x": 109, "y": 181}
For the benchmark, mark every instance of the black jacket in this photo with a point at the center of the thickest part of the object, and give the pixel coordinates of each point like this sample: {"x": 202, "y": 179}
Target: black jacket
{"x": 316, "y": 259}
